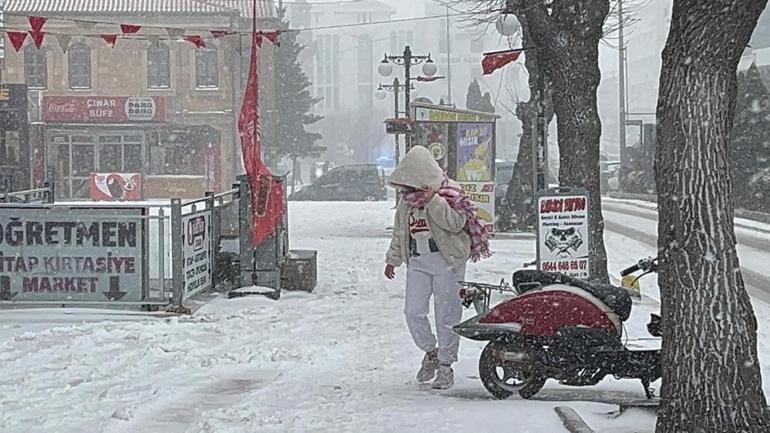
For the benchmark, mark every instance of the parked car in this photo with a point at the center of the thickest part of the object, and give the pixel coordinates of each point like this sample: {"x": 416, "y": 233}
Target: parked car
{"x": 362, "y": 182}
{"x": 609, "y": 176}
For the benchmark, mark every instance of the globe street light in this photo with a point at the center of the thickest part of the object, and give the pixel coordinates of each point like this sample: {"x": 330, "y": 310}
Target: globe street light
{"x": 385, "y": 68}
{"x": 407, "y": 60}
{"x": 507, "y": 24}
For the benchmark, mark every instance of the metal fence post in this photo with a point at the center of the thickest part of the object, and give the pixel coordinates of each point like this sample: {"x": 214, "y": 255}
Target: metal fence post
{"x": 177, "y": 257}
{"x": 213, "y": 235}
{"x": 162, "y": 249}
{"x": 246, "y": 252}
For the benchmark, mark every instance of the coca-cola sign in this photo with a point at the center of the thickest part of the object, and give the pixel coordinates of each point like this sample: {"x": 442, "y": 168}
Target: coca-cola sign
{"x": 103, "y": 109}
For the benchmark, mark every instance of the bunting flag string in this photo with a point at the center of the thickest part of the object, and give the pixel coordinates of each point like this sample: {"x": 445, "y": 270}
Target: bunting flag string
{"x": 110, "y": 39}
{"x": 37, "y": 23}
{"x": 37, "y": 37}
{"x": 196, "y": 40}
{"x": 17, "y": 39}
{"x": 129, "y": 29}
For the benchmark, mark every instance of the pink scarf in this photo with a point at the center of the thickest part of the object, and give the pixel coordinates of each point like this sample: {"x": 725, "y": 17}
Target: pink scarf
{"x": 460, "y": 202}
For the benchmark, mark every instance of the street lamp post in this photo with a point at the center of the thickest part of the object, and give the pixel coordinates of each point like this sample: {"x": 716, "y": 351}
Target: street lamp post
{"x": 407, "y": 60}
{"x": 395, "y": 88}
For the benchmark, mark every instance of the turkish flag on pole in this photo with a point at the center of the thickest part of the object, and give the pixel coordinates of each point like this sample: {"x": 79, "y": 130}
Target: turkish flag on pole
{"x": 267, "y": 198}
{"x": 496, "y": 60}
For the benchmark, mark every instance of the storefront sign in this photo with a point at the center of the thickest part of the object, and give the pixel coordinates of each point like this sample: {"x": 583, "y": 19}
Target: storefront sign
{"x": 563, "y": 232}
{"x": 71, "y": 254}
{"x": 115, "y": 186}
{"x": 482, "y": 194}
{"x": 432, "y": 115}
{"x": 474, "y": 152}
{"x": 196, "y": 251}
{"x": 103, "y": 109}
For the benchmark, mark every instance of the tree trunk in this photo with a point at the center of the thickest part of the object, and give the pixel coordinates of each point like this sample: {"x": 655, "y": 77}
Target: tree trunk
{"x": 567, "y": 37}
{"x": 518, "y": 210}
{"x": 711, "y": 374}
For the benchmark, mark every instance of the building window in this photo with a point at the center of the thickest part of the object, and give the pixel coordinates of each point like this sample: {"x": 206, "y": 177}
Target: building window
{"x": 206, "y": 67}
{"x": 364, "y": 59}
{"x": 79, "y": 60}
{"x": 158, "y": 67}
{"x": 35, "y": 67}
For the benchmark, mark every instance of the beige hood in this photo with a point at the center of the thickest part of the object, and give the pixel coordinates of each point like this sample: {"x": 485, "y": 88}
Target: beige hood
{"x": 418, "y": 169}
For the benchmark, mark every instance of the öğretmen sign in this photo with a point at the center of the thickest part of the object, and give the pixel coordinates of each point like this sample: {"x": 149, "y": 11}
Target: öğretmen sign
{"x": 71, "y": 254}
{"x": 563, "y": 232}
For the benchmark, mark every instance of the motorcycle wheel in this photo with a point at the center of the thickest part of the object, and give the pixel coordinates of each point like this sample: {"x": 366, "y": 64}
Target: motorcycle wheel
{"x": 502, "y": 378}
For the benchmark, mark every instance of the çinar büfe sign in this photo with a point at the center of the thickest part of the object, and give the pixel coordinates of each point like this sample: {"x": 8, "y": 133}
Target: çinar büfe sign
{"x": 71, "y": 254}
{"x": 563, "y": 234}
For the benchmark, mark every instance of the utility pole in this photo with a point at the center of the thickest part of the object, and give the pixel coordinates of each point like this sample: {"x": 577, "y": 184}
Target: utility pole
{"x": 622, "y": 95}
{"x": 448, "y": 61}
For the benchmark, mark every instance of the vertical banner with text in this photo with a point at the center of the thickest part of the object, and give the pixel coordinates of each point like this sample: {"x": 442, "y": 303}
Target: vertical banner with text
{"x": 196, "y": 252}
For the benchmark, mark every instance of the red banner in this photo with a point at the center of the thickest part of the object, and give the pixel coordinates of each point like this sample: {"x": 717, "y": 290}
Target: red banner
{"x": 496, "y": 60}
{"x": 115, "y": 186}
{"x": 103, "y": 109}
{"x": 266, "y": 193}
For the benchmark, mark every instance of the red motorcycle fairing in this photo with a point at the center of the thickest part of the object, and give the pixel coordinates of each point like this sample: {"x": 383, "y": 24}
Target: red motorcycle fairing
{"x": 542, "y": 312}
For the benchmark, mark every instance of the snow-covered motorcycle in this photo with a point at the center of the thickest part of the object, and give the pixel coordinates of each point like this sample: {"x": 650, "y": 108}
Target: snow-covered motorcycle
{"x": 556, "y": 327}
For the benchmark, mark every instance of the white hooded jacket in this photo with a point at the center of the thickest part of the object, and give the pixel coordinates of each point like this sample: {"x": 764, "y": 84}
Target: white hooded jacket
{"x": 418, "y": 169}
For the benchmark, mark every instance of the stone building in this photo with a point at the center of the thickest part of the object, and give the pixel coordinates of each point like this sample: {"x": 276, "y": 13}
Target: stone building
{"x": 154, "y": 103}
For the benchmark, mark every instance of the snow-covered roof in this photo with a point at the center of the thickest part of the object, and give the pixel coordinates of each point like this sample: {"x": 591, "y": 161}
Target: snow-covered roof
{"x": 265, "y": 8}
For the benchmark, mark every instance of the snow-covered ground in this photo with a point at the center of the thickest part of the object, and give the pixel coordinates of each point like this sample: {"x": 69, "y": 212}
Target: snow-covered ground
{"x": 337, "y": 360}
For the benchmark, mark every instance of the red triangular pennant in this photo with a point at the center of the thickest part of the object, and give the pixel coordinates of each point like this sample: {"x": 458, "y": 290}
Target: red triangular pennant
{"x": 272, "y": 37}
{"x": 496, "y": 60}
{"x": 110, "y": 39}
{"x": 128, "y": 29}
{"x": 219, "y": 33}
{"x": 37, "y": 23}
{"x": 196, "y": 40}
{"x": 17, "y": 39}
{"x": 37, "y": 37}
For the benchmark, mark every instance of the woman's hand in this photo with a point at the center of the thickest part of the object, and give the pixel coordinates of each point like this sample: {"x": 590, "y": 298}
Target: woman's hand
{"x": 429, "y": 193}
{"x": 390, "y": 272}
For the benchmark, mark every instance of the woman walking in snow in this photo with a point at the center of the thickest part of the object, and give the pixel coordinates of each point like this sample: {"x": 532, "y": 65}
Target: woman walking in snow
{"x": 435, "y": 232}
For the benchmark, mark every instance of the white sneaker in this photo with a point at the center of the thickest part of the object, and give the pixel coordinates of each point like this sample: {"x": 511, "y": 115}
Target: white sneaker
{"x": 445, "y": 378}
{"x": 428, "y": 368}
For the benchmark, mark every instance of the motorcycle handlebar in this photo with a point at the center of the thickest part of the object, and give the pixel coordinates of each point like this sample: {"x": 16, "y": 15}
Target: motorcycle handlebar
{"x": 649, "y": 265}
{"x": 629, "y": 270}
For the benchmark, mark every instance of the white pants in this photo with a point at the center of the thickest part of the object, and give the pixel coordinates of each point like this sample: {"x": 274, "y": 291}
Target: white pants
{"x": 430, "y": 274}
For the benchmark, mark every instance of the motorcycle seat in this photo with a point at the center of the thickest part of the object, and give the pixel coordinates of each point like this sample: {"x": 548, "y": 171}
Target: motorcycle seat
{"x": 616, "y": 298}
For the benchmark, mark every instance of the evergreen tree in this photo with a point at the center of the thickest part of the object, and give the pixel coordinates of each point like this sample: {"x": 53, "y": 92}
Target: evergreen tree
{"x": 750, "y": 139}
{"x": 474, "y": 100}
{"x": 293, "y": 110}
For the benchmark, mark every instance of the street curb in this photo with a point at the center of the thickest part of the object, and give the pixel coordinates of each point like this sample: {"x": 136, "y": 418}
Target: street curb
{"x": 572, "y": 420}
{"x": 740, "y": 213}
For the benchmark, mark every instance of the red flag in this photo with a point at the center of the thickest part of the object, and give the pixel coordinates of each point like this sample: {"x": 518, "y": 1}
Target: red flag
{"x": 110, "y": 39}
{"x": 266, "y": 192}
{"x": 129, "y": 29}
{"x": 196, "y": 40}
{"x": 37, "y": 37}
{"x": 37, "y": 23}
{"x": 219, "y": 33}
{"x": 496, "y": 60}
{"x": 17, "y": 39}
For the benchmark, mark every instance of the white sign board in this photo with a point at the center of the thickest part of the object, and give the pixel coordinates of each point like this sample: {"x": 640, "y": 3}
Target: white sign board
{"x": 71, "y": 254}
{"x": 196, "y": 252}
{"x": 563, "y": 234}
